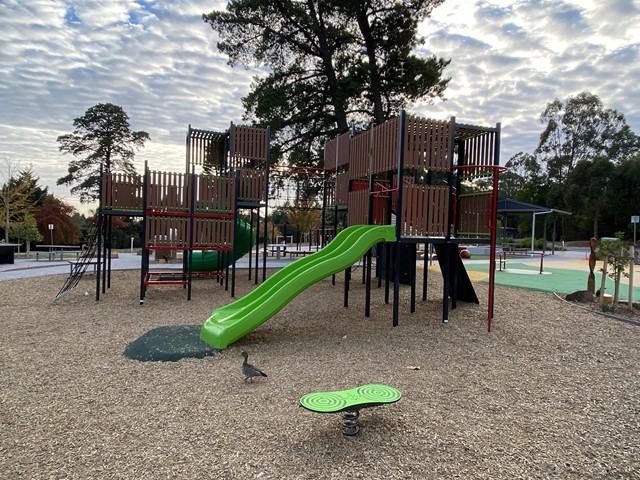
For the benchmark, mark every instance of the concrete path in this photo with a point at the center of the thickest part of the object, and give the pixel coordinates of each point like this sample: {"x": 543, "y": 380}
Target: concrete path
{"x": 126, "y": 261}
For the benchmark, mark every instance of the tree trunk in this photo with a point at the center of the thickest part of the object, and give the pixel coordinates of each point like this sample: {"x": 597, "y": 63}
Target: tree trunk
{"x": 6, "y": 224}
{"x": 374, "y": 73}
{"x": 327, "y": 62}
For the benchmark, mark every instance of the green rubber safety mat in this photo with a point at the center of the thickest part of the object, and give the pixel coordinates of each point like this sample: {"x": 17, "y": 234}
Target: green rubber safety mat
{"x": 169, "y": 344}
{"x": 348, "y": 400}
{"x": 560, "y": 280}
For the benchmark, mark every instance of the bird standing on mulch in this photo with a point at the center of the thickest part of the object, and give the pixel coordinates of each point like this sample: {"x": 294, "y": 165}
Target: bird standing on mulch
{"x": 249, "y": 371}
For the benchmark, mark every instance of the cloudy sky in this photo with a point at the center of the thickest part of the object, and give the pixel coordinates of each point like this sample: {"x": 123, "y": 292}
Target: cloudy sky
{"x": 157, "y": 60}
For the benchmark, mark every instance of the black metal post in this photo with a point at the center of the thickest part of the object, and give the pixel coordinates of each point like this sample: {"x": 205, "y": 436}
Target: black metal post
{"x": 144, "y": 261}
{"x": 236, "y": 189}
{"x": 99, "y": 234}
{"x": 192, "y": 221}
{"x": 400, "y": 174}
{"x": 266, "y": 205}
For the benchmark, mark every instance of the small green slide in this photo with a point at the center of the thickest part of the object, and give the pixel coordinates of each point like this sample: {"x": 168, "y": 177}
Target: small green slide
{"x": 213, "y": 260}
{"x": 231, "y": 322}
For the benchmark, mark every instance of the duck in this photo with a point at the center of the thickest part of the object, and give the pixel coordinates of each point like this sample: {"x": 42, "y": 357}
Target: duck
{"x": 249, "y": 371}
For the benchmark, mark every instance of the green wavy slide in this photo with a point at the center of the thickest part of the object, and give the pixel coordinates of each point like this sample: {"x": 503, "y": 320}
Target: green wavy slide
{"x": 235, "y": 320}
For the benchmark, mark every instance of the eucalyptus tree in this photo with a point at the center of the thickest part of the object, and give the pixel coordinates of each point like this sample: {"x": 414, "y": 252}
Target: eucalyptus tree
{"x": 524, "y": 180}
{"x": 623, "y": 196}
{"x": 582, "y": 129}
{"x": 586, "y": 194}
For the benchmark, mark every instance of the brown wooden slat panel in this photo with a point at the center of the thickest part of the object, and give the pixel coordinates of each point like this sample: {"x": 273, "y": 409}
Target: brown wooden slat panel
{"x": 359, "y": 156}
{"x": 426, "y": 144}
{"x": 122, "y": 191}
{"x": 425, "y": 210}
{"x": 358, "y": 209}
{"x": 330, "y": 152}
{"x": 393, "y": 137}
{"x": 344, "y": 149}
{"x": 342, "y": 189}
{"x": 249, "y": 143}
{"x": 252, "y": 185}
{"x": 170, "y": 232}
{"x": 473, "y": 213}
{"x": 445, "y": 140}
{"x": 215, "y": 194}
{"x": 412, "y": 145}
{"x": 212, "y": 233}
{"x": 385, "y": 147}
{"x": 169, "y": 191}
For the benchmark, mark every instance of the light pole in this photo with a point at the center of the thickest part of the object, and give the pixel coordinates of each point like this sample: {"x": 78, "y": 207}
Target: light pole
{"x": 51, "y": 232}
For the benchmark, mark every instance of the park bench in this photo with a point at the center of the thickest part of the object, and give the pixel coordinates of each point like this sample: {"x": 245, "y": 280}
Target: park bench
{"x": 53, "y": 251}
{"x": 75, "y": 265}
{"x": 277, "y": 249}
{"x": 298, "y": 253}
{"x": 502, "y": 257}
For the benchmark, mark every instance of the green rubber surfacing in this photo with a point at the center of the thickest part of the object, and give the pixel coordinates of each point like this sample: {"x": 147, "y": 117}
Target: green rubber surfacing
{"x": 350, "y": 400}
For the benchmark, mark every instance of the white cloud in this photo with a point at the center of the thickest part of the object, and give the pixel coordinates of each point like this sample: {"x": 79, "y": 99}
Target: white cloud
{"x": 157, "y": 59}
{"x": 509, "y": 59}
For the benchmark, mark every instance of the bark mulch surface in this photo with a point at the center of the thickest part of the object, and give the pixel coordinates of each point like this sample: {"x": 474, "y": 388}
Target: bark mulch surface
{"x": 552, "y": 392}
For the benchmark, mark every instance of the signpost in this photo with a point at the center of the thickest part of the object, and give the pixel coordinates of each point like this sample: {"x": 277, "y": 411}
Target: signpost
{"x": 635, "y": 219}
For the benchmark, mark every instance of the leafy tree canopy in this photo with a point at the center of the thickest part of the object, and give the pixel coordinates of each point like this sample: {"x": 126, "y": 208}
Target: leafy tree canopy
{"x": 579, "y": 129}
{"x": 60, "y": 214}
{"x": 17, "y": 192}
{"x": 624, "y": 193}
{"x": 587, "y": 162}
{"x": 305, "y": 214}
{"x": 587, "y": 191}
{"x": 330, "y": 62}
{"x": 27, "y": 230}
{"x": 523, "y": 180}
{"x": 102, "y": 138}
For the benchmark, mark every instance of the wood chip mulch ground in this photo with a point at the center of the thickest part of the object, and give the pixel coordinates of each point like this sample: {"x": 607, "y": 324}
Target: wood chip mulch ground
{"x": 552, "y": 392}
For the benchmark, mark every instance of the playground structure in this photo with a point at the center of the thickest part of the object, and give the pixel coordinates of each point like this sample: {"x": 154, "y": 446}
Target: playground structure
{"x": 195, "y": 213}
{"x": 436, "y": 181}
{"x": 406, "y": 182}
